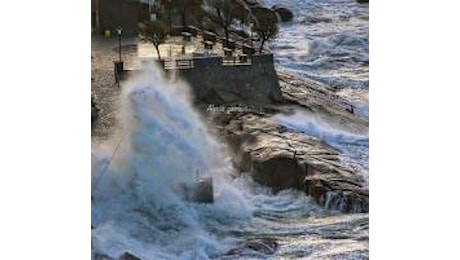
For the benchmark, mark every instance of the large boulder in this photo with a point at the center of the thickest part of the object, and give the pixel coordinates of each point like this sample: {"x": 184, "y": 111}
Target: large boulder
{"x": 281, "y": 160}
{"x": 284, "y": 13}
{"x": 278, "y": 158}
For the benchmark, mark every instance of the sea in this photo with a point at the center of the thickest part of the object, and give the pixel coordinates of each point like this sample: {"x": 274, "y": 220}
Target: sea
{"x": 136, "y": 205}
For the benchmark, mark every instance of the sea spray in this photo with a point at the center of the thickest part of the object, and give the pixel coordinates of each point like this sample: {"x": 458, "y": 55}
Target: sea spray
{"x": 163, "y": 143}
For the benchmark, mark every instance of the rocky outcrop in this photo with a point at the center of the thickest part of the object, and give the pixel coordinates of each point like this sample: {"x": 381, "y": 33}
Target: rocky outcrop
{"x": 284, "y": 13}
{"x": 362, "y": 1}
{"x": 322, "y": 100}
{"x": 281, "y": 158}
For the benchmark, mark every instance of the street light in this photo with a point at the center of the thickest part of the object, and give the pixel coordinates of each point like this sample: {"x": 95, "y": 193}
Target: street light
{"x": 118, "y": 64}
{"x": 251, "y": 24}
{"x": 119, "y": 32}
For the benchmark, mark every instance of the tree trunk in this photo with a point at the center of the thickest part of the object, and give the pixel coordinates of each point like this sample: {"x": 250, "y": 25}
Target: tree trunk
{"x": 158, "y": 51}
{"x": 262, "y": 45}
{"x": 226, "y": 36}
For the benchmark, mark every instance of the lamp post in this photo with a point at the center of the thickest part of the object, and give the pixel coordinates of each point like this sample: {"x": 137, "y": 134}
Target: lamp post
{"x": 118, "y": 64}
{"x": 119, "y": 32}
{"x": 251, "y": 24}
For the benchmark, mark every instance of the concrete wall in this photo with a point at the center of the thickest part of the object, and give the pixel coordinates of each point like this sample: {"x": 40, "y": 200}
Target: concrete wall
{"x": 215, "y": 83}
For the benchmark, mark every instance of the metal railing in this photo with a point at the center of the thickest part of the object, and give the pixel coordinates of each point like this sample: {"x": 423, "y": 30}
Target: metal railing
{"x": 178, "y": 63}
{"x": 236, "y": 60}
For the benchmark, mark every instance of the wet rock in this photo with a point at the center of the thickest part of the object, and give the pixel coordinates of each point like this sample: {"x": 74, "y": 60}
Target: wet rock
{"x": 280, "y": 158}
{"x": 362, "y": 1}
{"x": 128, "y": 256}
{"x": 278, "y": 172}
{"x": 337, "y": 193}
{"x": 265, "y": 246}
{"x": 285, "y": 14}
{"x": 322, "y": 100}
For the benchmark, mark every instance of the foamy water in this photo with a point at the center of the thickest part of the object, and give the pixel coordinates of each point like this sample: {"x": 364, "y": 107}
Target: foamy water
{"x": 137, "y": 206}
{"x": 328, "y": 41}
{"x": 354, "y": 148}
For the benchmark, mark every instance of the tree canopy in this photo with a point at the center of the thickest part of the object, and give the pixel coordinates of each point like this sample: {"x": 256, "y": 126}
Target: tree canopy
{"x": 226, "y": 12}
{"x": 266, "y": 25}
{"x": 155, "y": 32}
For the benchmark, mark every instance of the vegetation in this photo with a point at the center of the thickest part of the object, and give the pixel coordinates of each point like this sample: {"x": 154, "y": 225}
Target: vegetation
{"x": 182, "y": 7}
{"x": 266, "y": 25}
{"x": 223, "y": 13}
{"x": 155, "y": 32}
{"x": 226, "y": 12}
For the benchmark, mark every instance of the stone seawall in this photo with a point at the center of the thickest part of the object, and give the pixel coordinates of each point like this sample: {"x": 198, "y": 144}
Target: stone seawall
{"x": 217, "y": 82}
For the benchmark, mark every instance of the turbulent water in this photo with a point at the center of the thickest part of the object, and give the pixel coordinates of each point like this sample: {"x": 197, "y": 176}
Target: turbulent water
{"x": 137, "y": 203}
{"x": 327, "y": 41}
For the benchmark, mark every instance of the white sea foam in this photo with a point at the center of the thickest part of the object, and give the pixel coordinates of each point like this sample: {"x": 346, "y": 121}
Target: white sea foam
{"x": 136, "y": 206}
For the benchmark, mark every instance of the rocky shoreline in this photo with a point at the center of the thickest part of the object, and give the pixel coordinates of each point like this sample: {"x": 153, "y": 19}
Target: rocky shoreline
{"x": 273, "y": 155}
{"x": 277, "y": 157}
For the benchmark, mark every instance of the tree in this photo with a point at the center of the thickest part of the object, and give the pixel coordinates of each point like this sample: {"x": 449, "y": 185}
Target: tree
{"x": 266, "y": 25}
{"x": 155, "y": 32}
{"x": 228, "y": 11}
